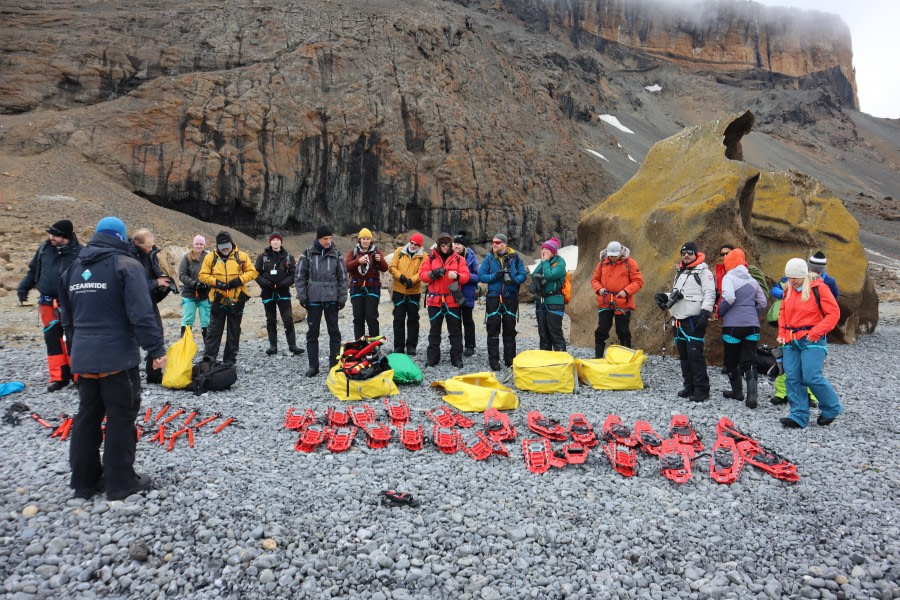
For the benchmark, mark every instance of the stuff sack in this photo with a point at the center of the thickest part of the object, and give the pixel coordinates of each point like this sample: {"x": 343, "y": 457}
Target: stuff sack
{"x": 405, "y": 370}
{"x": 213, "y": 377}
{"x": 178, "y": 373}
{"x": 477, "y": 392}
{"x": 772, "y": 314}
{"x": 545, "y": 371}
{"x": 345, "y": 388}
{"x": 619, "y": 369}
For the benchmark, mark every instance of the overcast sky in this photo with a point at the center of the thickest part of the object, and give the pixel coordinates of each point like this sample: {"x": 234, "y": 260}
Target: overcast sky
{"x": 876, "y": 48}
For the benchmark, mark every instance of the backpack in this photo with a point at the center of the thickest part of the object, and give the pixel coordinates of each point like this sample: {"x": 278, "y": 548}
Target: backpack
{"x": 212, "y": 377}
{"x": 766, "y": 363}
{"x": 567, "y": 287}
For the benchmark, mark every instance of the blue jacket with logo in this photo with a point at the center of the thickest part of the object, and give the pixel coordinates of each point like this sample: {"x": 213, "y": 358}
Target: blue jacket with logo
{"x": 106, "y": 310}
{"x": 491, "y": 273}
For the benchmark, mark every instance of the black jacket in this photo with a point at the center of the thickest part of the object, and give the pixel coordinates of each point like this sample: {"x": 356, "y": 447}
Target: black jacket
{"x": 106, "y": 309}
{"x": 46, "y": 267}
{"x": 277, "y": 271}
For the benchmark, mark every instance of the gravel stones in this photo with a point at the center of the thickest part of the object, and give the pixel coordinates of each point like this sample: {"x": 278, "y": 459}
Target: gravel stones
{"x": 243, "y": 515}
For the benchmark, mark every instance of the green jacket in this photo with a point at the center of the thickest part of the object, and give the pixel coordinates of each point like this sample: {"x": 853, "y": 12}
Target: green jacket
{"x": 554, "y": 272}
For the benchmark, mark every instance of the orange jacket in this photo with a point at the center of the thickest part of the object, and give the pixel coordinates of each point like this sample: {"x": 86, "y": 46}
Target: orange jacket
{"x": 795, "y": 313}
{"x": 615, "y": 277}
{"x": 439, "y": 289}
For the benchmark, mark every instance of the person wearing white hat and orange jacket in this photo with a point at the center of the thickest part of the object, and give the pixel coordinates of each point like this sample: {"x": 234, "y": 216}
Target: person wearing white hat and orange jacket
{"x": 365, "y": 263}
{"x": 616, "y": 280}
{"x": 808, "y": 312}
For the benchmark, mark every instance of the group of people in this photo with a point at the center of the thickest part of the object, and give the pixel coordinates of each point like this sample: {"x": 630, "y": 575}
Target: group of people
{"x": 98, "y": 302}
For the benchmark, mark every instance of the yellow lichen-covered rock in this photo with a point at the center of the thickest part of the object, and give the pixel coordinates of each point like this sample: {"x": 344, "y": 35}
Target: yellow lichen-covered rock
{"x": 694, "y": 186}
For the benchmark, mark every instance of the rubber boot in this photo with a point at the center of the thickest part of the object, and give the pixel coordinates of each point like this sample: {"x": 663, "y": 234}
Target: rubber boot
{"x": 599, "y": 349}
{"x": 273, "y": 339}
{"x": 291, "y": 336}
{"x": 752, "y": 383}
{"x": 737, "y": 387}
{"x": 182, "y": 331}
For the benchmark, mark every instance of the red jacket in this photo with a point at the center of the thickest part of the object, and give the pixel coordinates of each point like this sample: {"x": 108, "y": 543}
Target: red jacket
{"x": 796, "y": 313}
{"x": 615, "y": 277}
{"x": 439, "y": 289}
{"x": 372, "y": 278}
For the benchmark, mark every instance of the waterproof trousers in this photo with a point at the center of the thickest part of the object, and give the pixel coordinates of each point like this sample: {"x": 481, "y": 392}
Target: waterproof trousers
{"x": 222, "y": 318}
{"x": 500, "y": 316}
{"x": 406, "y": 321}
{"x": 282, "y": 306}
{"x": 550, "y": 325}
{"x": 468, "y": 325}
{"x": 189, "y": 309}
{"x": 365, "y": 310}
{"x": 314, "y": 321}
{"x": 58, "y": 362}
{"x": 689, "y": 334}
{"x": 117, "y": 397}
{"x": 604, "y": 324}
{"x": 740, "y": 348}
{"x": 803, "y": 362}
{"x": 154, "y": 375}
{"x": 437, "y": 315}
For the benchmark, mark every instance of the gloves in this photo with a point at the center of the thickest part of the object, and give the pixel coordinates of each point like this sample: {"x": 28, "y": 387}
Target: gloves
{"x": 498, "y": 275}
{"x": 405, "y": 281}
{"x": 220, "y": 285}
{"x": 704, "y": 315}
{"x": 438, "y": 273}
{"x": 234, "y": 283}
{"x": 408, "y": 283}
{"x": 341, "y": 305}
{"x": 23, "y": 298}
{"x": 661, "y": 300}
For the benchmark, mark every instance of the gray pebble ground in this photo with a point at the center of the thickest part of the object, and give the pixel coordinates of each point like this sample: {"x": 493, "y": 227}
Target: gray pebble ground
{"x": 243, "y": 515}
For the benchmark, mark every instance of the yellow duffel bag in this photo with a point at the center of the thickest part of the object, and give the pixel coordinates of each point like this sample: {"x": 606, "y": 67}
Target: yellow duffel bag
{"x": 545, "y": 371}
{"x": 360, "y": 389}
{"x": 180, "y": 362}
{"x": 477, "y": 392}
{"x": 619, "y": 369}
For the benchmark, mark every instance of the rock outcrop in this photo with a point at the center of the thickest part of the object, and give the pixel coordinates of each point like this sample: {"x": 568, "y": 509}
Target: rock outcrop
{"x": 694, "y": 186}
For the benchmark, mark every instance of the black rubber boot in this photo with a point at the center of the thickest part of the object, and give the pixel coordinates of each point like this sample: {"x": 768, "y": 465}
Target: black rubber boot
{"x": 737, "y": 387}
{"x": 686, "y": 393}
{"x": 182, "y": 331}
{"x": 272, "y": 330}
{"x": 752, "y": 383}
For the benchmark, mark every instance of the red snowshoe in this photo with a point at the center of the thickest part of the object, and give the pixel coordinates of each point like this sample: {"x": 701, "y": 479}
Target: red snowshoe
{"x": 649, "y": 440}
{"x": 446, "y": 439}
{"x": 548, "y": 428}
{"x": 726, "y": 427}
{"x": 341, "y": 438}
{"x": 441, "y": 416}
{"x": 682, "y": 431}
{"x": 622, "y": 458}
{"x": 581, "y": 430}
{"x": 675, "y": 460}
{"x": 497, "y": 426}
{"x": 412, "y": 437}
{"x": 558, "y": 458}
{"x": 615, "y": 431}
{"x": 576, "y": 453}
{"x": 297, "y": 422}
{"x": 537, "y": 454}
{"x": 362, "y": 415}
{"x": 768, "y": 460}
{"x": 725, "y": 462}
{"x": 397, "y": 410}
{"x": 477, "y": 445}
{"x": 337, "y": 418}
{"x": 311, "y": 437}
{"x": 377, "y": 434}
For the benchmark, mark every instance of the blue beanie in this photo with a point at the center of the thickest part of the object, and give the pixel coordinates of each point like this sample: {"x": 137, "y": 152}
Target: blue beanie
{"x": 112, "y": 226}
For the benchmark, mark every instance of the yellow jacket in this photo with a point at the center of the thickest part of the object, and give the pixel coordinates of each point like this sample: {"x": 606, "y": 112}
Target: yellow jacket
{"x": 217, "y": 268}
{"x": 406, "y": 263}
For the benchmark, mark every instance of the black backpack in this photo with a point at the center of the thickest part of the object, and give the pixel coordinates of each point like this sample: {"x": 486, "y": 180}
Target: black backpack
{"x": 208, "y": 376}
{"x": 766, "y": 363}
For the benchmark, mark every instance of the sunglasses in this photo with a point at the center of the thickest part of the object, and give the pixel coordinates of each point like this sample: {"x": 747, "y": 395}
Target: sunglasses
{"x": 413, "y": 244}
{"x": 688, "y": 253}
{"x": 444, "y": 244}
{"x": 496, "y": 242}
{"x": 723, "y": 254}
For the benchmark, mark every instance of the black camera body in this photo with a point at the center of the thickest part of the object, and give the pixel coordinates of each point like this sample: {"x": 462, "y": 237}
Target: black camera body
{"x": 666, "y": 302}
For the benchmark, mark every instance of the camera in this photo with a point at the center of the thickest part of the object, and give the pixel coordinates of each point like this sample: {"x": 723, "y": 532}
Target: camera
{"x": 666, "y": 302}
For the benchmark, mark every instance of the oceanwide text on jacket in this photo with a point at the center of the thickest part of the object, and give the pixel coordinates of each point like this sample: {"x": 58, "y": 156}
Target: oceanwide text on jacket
{"x": 107, "y": 310}
{"x": 321, "y": 276}
{"x": 218, "y": 268}
{"x": 439, "y": 288}
{"x": 614, "y": 277}
{"x": 491, "y": 273}
{"x": 407, "y": 263}
{"x": 276, "y": 272}
{"x": 795, "y": 313}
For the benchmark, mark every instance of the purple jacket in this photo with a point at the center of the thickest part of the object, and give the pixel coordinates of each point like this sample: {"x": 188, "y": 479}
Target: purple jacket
{"x": 742, "y": 299}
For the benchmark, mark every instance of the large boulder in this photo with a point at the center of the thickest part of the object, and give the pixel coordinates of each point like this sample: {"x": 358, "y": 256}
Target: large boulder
{"x": 696, "y": 186}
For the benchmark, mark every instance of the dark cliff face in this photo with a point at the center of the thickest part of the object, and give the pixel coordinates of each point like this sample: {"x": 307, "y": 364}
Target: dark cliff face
{"x": 395, "y": 116}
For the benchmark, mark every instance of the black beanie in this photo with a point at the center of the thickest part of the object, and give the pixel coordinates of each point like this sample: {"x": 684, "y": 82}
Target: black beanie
{"x": 689, "y": 247}
{"x": 223, "y": 237}
{"x": 323, "y": 231}
{"x": 460, "y": 238}
{"x": 61, "y": 229}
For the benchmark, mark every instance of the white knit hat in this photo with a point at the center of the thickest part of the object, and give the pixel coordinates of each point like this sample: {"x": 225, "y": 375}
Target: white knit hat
{"x": 796, "y": 268}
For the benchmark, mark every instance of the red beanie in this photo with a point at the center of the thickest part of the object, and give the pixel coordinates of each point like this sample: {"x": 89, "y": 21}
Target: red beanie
{"x": 417, "y": 238}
